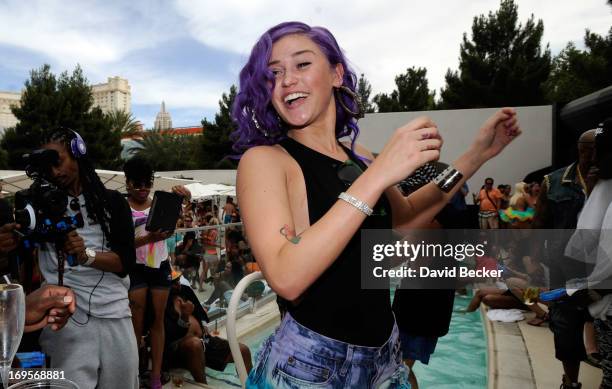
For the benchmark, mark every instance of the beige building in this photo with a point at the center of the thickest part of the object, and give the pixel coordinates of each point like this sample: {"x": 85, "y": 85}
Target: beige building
{"x": 8, "y": 99}
{"x": 163, "y": 120}
{"x": 115, "y": 95}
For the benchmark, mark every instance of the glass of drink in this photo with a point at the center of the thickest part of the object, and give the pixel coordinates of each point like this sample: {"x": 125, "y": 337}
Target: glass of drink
{"x": 12, "y": 322}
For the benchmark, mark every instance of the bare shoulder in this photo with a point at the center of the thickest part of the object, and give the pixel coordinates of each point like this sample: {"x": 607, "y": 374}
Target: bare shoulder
{"x": 262, "y": 154}
{"x": 261, "y": 159}
{"x": 263, "y": 170}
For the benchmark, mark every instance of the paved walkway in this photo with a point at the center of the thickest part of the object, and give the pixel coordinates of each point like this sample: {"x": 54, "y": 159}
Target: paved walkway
{"x": 522, "y": 356}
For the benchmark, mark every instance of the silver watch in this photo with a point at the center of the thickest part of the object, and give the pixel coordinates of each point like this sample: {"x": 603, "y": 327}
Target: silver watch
{"x": 91, "y": 256}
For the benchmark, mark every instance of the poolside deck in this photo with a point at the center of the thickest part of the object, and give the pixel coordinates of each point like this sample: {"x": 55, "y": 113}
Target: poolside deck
{"x": 519, "y": 355}
{"x": 522, "y": 356}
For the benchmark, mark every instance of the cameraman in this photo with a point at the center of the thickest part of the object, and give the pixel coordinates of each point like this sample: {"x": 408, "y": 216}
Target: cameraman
{"x": 97, "y": 347}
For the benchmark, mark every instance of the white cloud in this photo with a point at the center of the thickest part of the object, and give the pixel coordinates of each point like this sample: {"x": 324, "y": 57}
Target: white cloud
{"x": 381, "y": 38}
{"x": 566, "y": 21}
{"x": 177, "y": 92}
{"x": 88, "y": 33}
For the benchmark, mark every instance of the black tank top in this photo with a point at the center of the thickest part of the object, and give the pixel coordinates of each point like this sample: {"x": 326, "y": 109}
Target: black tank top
{"x": 335, "y": 305}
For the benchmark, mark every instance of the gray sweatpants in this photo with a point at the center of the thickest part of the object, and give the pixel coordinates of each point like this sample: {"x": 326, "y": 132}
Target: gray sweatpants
{"x": 101, "y": 354}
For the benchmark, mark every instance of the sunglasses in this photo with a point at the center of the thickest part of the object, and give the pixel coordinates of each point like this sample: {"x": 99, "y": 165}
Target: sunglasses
{"x": 143, "y": 184}
{"x": 348, "y": 172}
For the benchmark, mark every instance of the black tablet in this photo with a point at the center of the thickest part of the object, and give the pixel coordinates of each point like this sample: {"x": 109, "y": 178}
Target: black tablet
{"x": 165, "y": 211}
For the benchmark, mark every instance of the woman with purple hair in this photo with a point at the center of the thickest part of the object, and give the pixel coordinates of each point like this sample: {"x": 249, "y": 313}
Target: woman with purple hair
{"x": 305, "y": 196}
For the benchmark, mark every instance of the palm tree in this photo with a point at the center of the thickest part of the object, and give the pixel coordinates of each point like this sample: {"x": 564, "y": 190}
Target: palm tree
{"x": 124, "y": 122}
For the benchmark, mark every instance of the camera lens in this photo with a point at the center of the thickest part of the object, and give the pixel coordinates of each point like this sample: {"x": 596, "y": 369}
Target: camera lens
{"x": 26, "y": 217}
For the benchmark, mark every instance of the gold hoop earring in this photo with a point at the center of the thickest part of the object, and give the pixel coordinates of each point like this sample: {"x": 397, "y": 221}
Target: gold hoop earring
{"x": 356, "y": 98}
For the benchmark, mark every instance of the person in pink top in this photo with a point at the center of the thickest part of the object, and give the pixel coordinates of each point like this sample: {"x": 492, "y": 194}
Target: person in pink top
{"x": 152, "y": 271}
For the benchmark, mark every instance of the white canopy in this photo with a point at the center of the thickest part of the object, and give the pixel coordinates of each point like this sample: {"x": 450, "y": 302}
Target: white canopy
{"x": 201, "y": 191}
{"x": 209, "y": 176}
{"x": 15, "y": 180}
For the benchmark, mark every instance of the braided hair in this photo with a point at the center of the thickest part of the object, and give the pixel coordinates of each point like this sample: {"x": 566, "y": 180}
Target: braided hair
{"x": 96, "y": 200}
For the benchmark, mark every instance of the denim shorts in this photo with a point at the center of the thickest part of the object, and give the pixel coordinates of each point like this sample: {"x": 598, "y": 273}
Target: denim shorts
{"x": 418, "y": 348}
{"x": 297, "y": 357}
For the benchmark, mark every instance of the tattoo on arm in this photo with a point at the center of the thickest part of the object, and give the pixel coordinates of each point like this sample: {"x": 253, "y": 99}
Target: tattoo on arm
{"x": 289, "y": 234}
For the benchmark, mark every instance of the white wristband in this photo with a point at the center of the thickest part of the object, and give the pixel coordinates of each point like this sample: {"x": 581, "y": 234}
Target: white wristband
{"x": 355, "y": 202}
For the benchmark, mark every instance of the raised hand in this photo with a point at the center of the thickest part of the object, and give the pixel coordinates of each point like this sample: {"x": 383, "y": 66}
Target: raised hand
{"x": 410, "y": 147}
{"x": 496, "y": 133}
{"x": 183, "y": 191}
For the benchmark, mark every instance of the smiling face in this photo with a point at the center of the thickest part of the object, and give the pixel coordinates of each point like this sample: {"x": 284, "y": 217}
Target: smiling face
{"x": 139, "y": 190}
{"x": 304, "y": 81}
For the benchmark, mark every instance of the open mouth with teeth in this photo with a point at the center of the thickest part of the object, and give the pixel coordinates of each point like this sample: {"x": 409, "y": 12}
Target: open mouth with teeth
{"x": 294, "y": 97}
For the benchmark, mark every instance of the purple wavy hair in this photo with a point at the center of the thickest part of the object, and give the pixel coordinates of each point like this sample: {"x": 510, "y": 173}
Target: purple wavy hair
{"x": 256, "y": 119}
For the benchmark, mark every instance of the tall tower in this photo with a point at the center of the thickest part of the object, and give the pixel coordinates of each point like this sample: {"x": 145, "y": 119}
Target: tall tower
{"x": 163, "y": 121}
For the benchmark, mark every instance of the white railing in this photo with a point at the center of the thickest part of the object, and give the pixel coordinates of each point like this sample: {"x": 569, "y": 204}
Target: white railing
{"x": 202, "y": 228}
{"x": 230, "y": 326}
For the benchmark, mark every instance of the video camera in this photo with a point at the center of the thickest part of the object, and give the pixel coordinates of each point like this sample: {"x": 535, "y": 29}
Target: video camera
{"x": 40, "y": 209}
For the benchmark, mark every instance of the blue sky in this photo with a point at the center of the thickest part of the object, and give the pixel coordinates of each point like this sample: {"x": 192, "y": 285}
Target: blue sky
{"x": 189, "y": 52}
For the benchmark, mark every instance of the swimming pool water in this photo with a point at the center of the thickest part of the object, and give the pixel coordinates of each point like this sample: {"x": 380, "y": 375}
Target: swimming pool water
{"x": 460, "y": 359}
{"x": 459, "y": 362}
{"x": 229, "y": 378}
